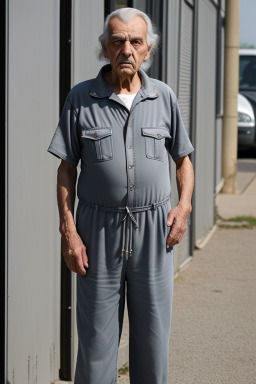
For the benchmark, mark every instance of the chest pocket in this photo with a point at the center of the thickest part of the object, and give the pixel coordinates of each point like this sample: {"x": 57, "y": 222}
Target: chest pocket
{"x": 155, "y": 140}
{"x": 98, "y": 143}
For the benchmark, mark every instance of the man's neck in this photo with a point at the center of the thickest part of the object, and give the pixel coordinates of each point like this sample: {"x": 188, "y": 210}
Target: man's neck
{"x": 125, "y": 85}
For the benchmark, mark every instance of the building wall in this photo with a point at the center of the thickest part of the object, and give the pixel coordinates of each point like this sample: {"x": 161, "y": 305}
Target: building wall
{"x": 87, "y": 25}
{"x": 205, "y": 119}
{"x": 204, "y": 128}
{"x": 33, "y": 249}
{"x": 219, "y": 96}
{"x": 33, "y": 252}
{"x": 184, "y": 94}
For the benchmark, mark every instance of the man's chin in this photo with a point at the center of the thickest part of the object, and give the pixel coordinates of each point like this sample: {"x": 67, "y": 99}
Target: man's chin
{"x": 128, "y": 70}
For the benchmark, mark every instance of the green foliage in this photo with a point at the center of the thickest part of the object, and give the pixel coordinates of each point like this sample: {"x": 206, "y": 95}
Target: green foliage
{"x": 249, "y": 219}
{"x": 123, "y": 370}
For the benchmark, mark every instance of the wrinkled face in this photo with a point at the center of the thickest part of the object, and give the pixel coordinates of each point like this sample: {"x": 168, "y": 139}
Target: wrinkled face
{"x": 127, "y": 46}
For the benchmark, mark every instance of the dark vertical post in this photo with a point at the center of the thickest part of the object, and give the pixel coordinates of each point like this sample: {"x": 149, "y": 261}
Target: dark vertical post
{"x": 64, "y": 88}
{"x": 3, "y": 294}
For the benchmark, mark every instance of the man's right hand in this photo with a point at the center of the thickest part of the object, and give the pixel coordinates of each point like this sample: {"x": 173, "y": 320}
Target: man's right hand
{"x": 74, "y": 253}
{"x": 73, "y": 249}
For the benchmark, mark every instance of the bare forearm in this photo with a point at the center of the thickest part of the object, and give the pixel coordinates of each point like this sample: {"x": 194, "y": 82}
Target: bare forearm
{"x": 177, "y": 217}
{"x": 185, "y": 182}
{"x": 73, "y": 249}
{"x": 66, "y": 182}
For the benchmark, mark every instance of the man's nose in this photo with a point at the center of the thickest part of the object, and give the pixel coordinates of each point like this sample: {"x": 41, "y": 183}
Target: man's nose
{"x": 127, "y": 48}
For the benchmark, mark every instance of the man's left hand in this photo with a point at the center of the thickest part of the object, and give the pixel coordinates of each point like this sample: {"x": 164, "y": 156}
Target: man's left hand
{"x": 177, "y": 220}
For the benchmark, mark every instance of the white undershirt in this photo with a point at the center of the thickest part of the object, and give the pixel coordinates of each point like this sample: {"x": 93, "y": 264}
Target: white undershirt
{"x": 127, "y": 99}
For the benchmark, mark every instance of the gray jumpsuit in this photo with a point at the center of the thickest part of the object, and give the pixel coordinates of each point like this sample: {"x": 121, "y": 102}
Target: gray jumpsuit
{"x": 124, "y": 199}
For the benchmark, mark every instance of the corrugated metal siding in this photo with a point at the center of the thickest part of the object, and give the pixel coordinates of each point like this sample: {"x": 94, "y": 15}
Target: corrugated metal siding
{"x": 172, "y": 44}
{"x": 218, "y": 147}
{"x": 184, "y": 92}
{"x": 185, "y": 73}
{"x": 173, "y": 80}
{"x": 206, "y": 119}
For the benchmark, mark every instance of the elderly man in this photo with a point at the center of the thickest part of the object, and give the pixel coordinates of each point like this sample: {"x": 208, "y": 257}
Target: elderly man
{"x": 122, "y": 125}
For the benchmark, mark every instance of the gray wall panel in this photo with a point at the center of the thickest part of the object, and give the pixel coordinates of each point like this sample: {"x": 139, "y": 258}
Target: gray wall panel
{"x": 88, "y": 20}
{"x": 218, "y": 149}
{"x": 173, "y": 80}
{"x": 179, "y": 76}
{"x": 185, "y": 73}
{"x": 218, "y": 146}
{"x": 87, "y": 25}
{"x": 184, "y": 92}
{"x": 33, "y": 252}
{"x": 173, "y": 44}
{"x": 140, "y": 4}
{"x": 205, "y": 136}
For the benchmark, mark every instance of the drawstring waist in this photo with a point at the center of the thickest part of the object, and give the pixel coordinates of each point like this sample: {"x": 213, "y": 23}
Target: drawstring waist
{"x": 127, "y": 228}
{"x": 128, "y": 249}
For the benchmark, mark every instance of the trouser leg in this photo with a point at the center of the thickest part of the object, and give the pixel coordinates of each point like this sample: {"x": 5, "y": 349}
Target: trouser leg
{"x": 149, "y": 301}
{"x": 99, "y": 294}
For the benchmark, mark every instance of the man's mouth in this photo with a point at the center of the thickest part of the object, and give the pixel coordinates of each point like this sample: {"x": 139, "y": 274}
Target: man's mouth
{"x": 126, "y": 62}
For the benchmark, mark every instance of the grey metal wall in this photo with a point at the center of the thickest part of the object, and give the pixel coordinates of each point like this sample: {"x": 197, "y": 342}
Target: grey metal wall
{"x": 88, "y": 20}
{"x": 179, "y": 77}
{"x": 87, "y": 25}
{"x": 173, "y": 49}
{"x": 218, "y": 155}
{"x": 33, "y": 252}
{"x": 218, "y": 141}
{"x": 185, "y": 92}
{"x": 206, "y": 114}
{"x": 173, "y": 44}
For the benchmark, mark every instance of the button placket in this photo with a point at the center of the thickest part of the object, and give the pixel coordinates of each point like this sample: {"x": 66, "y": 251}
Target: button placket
{"x": 129, "y": 162}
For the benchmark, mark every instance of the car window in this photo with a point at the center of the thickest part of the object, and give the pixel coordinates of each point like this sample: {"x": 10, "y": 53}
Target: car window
{"x": 247, "y": 73}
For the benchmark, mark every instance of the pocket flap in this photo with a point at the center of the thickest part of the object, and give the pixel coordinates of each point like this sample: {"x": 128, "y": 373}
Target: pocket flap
{"x": 156, "y": 133}
{"x": 97, "y": 133}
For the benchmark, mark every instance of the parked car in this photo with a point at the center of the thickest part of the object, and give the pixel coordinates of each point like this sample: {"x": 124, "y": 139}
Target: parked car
{"x": 247, "y": 98}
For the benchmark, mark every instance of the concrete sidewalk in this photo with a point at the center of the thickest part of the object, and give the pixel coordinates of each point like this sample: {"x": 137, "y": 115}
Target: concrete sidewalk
{"x": 213, "y": 336}
{"x": 243, "y": 203}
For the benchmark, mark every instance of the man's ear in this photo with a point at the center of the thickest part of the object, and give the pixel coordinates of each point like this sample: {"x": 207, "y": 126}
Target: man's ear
{"x": 104, "y": 49}
{"x": 148, "y": 53}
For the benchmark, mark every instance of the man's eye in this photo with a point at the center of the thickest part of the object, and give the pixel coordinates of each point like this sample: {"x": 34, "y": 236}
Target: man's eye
{"x": 117, "y": 42}
{"x": 136, "y": 42}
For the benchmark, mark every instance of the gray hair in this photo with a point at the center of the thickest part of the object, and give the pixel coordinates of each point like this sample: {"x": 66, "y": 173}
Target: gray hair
{"x": 127, "y": 14}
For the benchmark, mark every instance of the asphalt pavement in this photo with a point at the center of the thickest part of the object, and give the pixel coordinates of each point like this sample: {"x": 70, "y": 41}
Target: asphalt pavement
{"x": 213, "y": 336}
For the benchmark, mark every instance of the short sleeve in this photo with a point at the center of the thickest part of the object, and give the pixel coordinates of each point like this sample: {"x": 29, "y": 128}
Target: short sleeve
{"x": 180, "y": 145}
{"x": 65, "y": 143}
